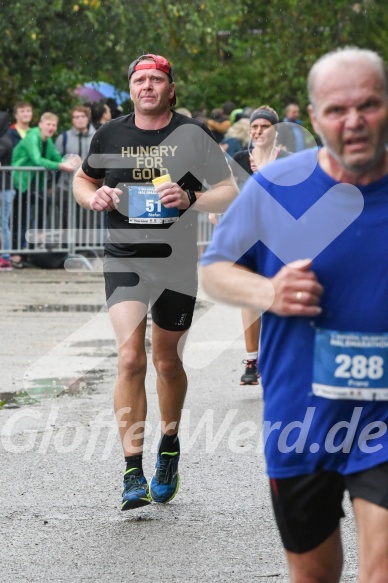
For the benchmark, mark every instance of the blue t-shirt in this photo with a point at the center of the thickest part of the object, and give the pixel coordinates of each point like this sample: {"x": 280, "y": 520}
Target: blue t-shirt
{"x": 323, "y": 378}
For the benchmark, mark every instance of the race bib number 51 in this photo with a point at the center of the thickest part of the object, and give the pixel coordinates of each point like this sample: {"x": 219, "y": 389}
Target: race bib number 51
{"x": 350, "y": 365}
{"x": 145, "y": 207}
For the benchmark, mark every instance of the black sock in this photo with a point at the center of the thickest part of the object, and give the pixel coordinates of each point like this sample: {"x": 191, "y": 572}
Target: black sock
{"x": 169, "y": 443}
{"x": 134, "y": 461}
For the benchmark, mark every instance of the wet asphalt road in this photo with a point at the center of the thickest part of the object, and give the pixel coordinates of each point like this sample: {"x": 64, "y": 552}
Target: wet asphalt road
{"x": 61, "y": 461}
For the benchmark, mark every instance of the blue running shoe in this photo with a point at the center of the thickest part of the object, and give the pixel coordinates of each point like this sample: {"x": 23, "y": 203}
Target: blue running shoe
{"x": 136, "y": 490}
{"x": 164, "y": 483}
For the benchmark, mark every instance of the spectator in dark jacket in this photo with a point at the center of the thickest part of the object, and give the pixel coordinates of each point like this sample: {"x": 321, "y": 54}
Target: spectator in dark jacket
{"x": 100, "y": 113}
{"x": 23, "y": 115}
{"x": 6, "y": 193}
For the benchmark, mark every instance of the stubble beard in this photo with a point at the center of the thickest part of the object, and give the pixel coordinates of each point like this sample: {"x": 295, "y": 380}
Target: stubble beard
{"x": 357, "y": 168}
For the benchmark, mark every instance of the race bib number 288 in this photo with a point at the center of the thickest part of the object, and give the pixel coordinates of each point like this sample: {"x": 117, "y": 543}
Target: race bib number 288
{"x": 350, "y": 365}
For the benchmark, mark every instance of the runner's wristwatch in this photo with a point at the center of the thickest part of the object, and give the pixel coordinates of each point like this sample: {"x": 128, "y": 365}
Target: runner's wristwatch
{"x": 192, "y": 197}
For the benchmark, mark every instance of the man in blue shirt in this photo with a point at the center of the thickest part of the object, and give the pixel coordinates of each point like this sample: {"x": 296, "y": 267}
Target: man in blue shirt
{"x": 309, "y": 237}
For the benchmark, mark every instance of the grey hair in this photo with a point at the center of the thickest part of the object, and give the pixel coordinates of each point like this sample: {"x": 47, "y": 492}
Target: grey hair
{"x": 347, "y": 55}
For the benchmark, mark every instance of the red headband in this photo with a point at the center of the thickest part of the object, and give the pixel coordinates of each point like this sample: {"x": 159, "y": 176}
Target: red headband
{"x": 160, "y": 63}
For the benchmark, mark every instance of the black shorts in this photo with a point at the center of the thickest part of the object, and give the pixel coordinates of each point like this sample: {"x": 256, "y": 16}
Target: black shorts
{"x": 141, "y": 280}
{"x": 308, "y": 508}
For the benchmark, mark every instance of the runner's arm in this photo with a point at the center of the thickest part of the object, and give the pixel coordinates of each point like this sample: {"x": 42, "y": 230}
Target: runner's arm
{"x": 91, "y": 194}
{"x": 219, "y": 197}
{"x": 293, "y": 291}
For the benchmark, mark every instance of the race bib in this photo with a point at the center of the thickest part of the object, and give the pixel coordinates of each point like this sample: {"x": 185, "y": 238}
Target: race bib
{"x": 145, "y": 207}
{"x": 350, "y": 365}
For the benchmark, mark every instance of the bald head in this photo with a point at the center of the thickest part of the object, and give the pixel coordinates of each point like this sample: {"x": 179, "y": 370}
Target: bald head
{"x": 348, "y": 58}
{"x": 349, "y": 111}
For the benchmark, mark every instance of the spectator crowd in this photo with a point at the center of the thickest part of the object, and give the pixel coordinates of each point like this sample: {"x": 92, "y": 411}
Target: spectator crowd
{"x": 23, "y": 146}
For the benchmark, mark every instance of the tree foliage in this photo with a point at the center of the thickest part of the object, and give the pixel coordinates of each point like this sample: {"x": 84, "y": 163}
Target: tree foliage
{"x": 242, "y": 50}
{"x": 47, "y": 48}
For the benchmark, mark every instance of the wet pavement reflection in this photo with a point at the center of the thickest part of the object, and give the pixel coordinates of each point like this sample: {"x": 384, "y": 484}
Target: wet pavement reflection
{"x": 53, "y": 387}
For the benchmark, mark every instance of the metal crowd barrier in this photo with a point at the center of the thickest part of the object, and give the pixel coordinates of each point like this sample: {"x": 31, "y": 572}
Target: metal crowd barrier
{"x": 43, "y": 217}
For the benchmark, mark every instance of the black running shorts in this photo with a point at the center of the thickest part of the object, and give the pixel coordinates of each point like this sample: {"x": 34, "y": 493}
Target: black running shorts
{"x": 142, "y": 280}
{"x": 308, "y": 508}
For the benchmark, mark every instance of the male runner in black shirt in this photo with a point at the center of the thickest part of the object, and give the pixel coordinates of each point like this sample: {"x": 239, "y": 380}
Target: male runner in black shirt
{"x": 151, "y": 255}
